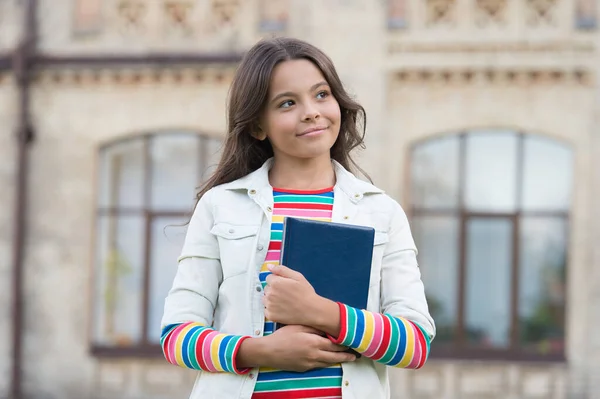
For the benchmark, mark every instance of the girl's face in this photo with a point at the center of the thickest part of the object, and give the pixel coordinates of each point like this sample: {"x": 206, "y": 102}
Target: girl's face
{"x": 301, "y": 117}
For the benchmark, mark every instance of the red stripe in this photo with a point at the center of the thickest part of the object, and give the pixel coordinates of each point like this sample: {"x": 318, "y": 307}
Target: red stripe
{"x": 423, "y": 344}
{"x": 235, "y": 352}
{"x": 199, "y": 345}
{"x": 299, "y": 394}
{"x": 289, "y": 191}
{"x": 385, "y": 341}
{"x": 302, "y": 205}
{"x": 166, "y": 345}
{"x": 275, "y": 246}
{"x": 343, "y": 326}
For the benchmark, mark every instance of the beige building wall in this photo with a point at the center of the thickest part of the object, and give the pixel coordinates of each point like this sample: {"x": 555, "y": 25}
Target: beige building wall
{"x": 416, "y": 83}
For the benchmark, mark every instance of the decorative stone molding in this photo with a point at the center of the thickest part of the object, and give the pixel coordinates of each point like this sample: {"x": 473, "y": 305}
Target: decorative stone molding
{"x": 441, "y": 12}
{"x": 491, "y": 12}
{"x": 174, "y": 75}
{"x": 502, "y": 77}
{"x": 541, "y": 12}
{"x": 148, "y": 20}
{"x": 397, "y": 47}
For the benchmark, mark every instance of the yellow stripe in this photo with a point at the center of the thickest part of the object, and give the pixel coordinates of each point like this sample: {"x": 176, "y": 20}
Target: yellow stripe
{"x": 369, "y": 330}
{"x": 214, "y": 351}
{"x": 179, "y": 344}
{"x": 410, "y": 344}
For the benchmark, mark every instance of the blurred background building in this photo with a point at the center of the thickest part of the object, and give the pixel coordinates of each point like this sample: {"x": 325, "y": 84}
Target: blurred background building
{"x": 483, "y": 121}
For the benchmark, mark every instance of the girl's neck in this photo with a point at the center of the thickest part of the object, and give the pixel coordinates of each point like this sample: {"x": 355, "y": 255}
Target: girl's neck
{"x": 302, "y": 174}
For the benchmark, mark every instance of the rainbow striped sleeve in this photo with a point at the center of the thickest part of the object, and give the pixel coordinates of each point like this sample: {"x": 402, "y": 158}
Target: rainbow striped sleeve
{"x": 393, "y": 341}
{"x": 195, "y": 346}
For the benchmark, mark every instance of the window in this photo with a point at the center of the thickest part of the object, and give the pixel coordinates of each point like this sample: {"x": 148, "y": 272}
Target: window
{"x": 146, "y": 194}
{"x": 586, "y": 12}
{"x": 489, "y": 212}
{"x": 397, "y": 17}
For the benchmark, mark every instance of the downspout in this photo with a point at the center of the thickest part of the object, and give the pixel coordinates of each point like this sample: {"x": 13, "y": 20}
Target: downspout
{"x": 22, "y": 68}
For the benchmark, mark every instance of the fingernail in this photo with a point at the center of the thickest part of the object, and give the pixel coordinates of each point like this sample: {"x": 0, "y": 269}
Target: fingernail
{"x": 270, "y": 266}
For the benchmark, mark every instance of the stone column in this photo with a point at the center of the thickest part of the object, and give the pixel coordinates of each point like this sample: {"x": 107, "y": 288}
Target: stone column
{"x": 353, "y": 33}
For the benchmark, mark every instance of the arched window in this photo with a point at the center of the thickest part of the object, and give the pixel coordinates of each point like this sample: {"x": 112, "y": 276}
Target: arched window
{"x": 146, "y": 192}
{"x": 490, "y": 214}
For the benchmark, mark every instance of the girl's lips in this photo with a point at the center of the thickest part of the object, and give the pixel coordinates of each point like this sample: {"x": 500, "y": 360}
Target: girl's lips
{"x": 312, "y": 132}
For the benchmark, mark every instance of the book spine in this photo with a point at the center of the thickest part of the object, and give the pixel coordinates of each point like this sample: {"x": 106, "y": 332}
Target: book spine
{"x": 283, "y": 237}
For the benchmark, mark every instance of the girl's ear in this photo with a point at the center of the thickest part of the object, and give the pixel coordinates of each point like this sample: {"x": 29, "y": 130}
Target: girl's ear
{"x": 258, "y": 133}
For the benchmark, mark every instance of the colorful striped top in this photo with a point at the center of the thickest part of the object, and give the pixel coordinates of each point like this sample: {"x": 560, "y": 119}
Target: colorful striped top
{"x": 319, "y": 383}
{"x": 393, "y": 341}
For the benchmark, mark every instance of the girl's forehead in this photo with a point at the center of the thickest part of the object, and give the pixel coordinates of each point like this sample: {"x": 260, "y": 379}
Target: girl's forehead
{"x": 295, "y": 75}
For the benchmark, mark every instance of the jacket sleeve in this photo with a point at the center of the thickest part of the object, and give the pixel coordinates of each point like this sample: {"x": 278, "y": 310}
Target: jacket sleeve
{"x": 187, "y": 338}
{"x": 401, "y": 334}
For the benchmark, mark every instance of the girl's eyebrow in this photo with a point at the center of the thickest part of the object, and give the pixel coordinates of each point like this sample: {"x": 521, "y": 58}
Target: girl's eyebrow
{"x": 290, "y": 94}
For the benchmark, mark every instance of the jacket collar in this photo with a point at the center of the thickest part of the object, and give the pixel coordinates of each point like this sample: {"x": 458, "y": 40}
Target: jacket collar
{"x": 258, "y": 181}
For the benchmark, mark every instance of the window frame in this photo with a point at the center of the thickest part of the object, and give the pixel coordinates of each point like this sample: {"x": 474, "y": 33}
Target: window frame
{"x": 459, "y": 349}
{"x": 144, "y": 348}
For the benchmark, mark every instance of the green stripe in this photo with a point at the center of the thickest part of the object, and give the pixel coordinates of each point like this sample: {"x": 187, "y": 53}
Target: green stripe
{"x": 394, "y": 340}
{"x": 276, "y": 235}
{"x": 192, "y": 348}
{"x": 303, "y": 198}
{"x": 350, "y": 326}
{"x": 229, "y": 353}
{"x": 298, "y": 383}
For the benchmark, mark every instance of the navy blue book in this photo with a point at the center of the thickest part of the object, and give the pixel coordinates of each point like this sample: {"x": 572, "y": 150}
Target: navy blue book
{"x": 335, "y": 258}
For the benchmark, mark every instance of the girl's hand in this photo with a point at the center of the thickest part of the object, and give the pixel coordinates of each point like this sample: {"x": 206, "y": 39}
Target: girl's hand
{"x": 300, "y": 348}
{"x": 289, "y": 298}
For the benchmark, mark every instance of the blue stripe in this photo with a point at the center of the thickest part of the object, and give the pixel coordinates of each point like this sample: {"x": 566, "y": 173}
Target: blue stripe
{"x": 276, "y": 226}
{"x": 263, "y": 276}
{"x": 401, "y": 350}
{"x": 167, "y": 330}
{"x": 269, "y": 327}
{"x": 360, "y": 329}
{"x": 280, "y": 375}
{"x": 186, "y": 344}
{"x": 222, "y": 349}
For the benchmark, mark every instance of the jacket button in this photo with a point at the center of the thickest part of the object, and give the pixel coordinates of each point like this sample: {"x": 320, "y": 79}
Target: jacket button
{"x": 356, "y": 195}
{"x": 346, "y": 383}
{"x": 257, "y": 332}
{"x": 231, "y": 231}
{"x": 251, "y": 376}
{"x": 258, "y": 288}
{"x": 345, "y": 217}
{"x": 252, "y": 192}
{"x": 269, "y": 209}
{"x": 259, "y": 247}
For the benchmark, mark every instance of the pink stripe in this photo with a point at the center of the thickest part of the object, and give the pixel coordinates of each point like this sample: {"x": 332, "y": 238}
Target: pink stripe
{"x": 272, "y": 255}
{"x": 309, "y": 213}
{"x": 417, "y": 352}
{"x": 172, "y": 343}
{"x": 377, "y": 335}
{"x": 206, "y": 351}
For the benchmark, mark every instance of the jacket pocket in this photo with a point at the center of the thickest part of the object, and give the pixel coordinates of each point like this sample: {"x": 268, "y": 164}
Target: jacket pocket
{"x": 236, "y": 243}
{"x": 381, "y": 239}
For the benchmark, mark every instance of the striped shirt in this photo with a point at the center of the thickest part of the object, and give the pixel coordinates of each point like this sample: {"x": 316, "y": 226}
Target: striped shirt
{"x": 319, "y": 383}
{"x": 393, "y": 341}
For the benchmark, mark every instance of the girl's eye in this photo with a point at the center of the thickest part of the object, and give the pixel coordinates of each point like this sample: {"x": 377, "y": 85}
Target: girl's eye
{"x": 322, "y": 94}
{"x": 286, "y": 104}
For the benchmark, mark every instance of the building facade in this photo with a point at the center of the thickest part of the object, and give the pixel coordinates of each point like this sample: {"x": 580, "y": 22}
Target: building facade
{"x": 483, "y": 121}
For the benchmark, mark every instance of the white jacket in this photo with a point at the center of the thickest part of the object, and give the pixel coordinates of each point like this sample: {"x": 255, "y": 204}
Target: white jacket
{"x": 217, "y": 281}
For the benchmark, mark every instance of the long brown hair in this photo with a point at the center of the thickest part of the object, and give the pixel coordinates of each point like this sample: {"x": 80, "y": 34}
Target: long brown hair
{"x": 242, "y": 153}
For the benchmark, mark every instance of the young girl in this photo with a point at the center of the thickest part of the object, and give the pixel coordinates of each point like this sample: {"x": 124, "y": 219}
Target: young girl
{"x": 287, "y": 153}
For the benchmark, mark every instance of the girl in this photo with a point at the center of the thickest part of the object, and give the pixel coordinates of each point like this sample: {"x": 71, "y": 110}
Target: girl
{"x": 291, "y": 129}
